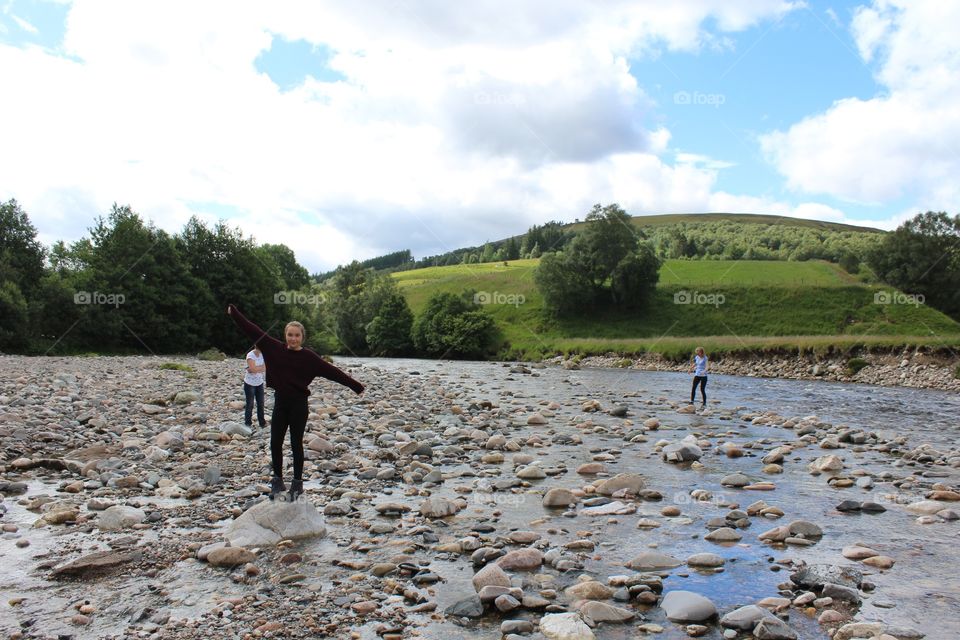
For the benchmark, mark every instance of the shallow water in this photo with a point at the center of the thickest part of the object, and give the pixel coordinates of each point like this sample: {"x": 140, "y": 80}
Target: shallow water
{"x": 921, "y": 591}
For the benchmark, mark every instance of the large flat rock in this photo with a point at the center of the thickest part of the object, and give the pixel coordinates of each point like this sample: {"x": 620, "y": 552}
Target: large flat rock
{"x": 267, "y": 523}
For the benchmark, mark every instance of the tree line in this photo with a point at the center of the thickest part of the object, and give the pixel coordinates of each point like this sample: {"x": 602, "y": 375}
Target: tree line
{"x": 129, "y": 287}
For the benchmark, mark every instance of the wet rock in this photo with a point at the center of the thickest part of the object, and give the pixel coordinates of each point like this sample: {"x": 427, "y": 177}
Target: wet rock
{"x": 490, "y": 575}
{"x": 589, "y": 590}
{"x": 653, "y": 561}
{"x": 438, "y": 507}
{"x": 603, "y": 612}
{"x": 687, "y": 606}
{"x": 120, "y": 517}
{"x": 773, "y": 629}
{"x": 686, "y": 450}
{"x": 840, "y": 592}
{"x": 94, "y": 563}
{"x": 632, "y": 482}
{"x": 858, "y": 630}
{"x": 532, "y": 472}
{"x": 230, "y": 556}
{"x": 926, "y": 507}
{"x": 735, "y": 480}
{"x": 469, "y": 607}
{"x": 745, "y": 618}
{"x": 705, "y": 560}
{"x": 815, "y": 576}
{"x": 558, "y": 497}
{"x": 723, "y": 534}
{"x": 826, "y": 463}
{"x": 266, "y": 523}
{"x": 521, "y": 560}
{"x": 565, "y": 626}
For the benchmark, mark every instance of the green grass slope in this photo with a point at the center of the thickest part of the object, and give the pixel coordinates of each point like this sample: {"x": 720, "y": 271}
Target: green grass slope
{"x": 722, "y": 305}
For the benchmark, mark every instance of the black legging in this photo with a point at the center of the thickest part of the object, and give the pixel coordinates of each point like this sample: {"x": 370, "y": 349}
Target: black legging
{"x": 702, "y": 381}
{"x": 288, "y": 410}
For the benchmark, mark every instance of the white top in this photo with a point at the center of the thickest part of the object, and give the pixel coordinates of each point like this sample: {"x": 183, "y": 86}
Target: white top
{"x": 700, "y": 365}
{"x": 253, "y": 379}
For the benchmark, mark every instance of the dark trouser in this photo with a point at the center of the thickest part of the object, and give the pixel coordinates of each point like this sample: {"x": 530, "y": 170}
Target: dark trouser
{"x": 702, "y": 381}
{"x": 252, "y": 392}
{"x": 288, "y": 411}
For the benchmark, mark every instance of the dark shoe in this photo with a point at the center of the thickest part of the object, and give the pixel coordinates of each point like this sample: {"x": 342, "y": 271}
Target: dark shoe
{"x": 296, "y": 490}
{"x": 277, "y": 487}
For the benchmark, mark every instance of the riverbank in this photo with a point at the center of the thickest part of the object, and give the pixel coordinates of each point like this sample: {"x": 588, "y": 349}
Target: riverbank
{"x": 474, "y": 500}
{"x": 906, "y": 368}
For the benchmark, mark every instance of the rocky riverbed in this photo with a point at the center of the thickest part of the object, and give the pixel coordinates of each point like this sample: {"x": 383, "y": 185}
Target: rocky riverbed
{"x": 907, "y": 368}
{"x": 475, "y": 500}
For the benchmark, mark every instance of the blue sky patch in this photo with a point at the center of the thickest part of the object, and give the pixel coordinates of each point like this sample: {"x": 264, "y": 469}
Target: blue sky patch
{"x": 289, "y": 63}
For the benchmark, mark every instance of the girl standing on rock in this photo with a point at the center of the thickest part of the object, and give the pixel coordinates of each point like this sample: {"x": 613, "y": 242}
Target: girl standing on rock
{"x": 290, "y": 370}
{"x": 699, "y": 370}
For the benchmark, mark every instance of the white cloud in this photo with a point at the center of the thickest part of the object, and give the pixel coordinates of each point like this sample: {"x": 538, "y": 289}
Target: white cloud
{"x": 455, "y": 123}
{"x": 902, "y": 143}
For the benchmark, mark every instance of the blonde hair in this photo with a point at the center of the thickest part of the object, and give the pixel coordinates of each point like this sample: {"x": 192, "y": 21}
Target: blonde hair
{"x": 698, "y": 350}
{"x": 294, "y": 323}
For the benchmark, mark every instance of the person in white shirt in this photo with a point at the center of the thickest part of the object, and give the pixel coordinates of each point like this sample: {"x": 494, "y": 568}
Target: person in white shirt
{"x": 253, "y": 385}
{"x": 699, "y": 370}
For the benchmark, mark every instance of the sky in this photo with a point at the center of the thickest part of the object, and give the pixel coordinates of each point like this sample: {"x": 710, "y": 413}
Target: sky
{"x": 346, "y": 130}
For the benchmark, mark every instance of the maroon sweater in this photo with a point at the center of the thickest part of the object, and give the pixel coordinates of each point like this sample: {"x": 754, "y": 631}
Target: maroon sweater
{"x": 291, "y": 371}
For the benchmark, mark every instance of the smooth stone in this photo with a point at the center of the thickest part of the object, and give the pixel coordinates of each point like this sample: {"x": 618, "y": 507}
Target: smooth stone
{"x": 230, "y": 556}
{"x": 565, "y": 626}
{"x": 603, "y": 612}
{"x": 491, "y": 574}
{"x": 705, "y": 560}
{"x": 724, "y": 534}
{"x": 558, "y": 497}
{"x": 687, "y": 606}
{"x": 521, "y": 560}
{"x": 267, "y": 523}
{"x": 591, "y": 590}
{"x": 653, "y": 561}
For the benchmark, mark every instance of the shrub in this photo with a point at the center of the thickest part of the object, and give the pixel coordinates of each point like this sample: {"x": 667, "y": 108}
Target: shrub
{"x": 212, "y": 355}
{"x": 854, "y": 365}
{"x": 176, "y": 366}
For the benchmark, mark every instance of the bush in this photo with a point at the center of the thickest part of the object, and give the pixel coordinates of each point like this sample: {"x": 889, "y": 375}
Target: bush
{"x": 854, "y": 365}
{"x": 623, "y": 363}
{"x": 956, "y": 372}
{"x": 212, "y": 355}
{"x": 176, "y": 366}
{"x": 454, "y": 326}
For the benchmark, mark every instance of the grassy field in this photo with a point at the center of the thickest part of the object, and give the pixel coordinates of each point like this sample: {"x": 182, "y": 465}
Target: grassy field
{"x": 724, "y": 305}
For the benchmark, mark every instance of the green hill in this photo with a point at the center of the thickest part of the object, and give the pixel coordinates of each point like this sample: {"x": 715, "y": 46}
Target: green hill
{"x": 722, "y": 305}
{"x": 661, "y": 219}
